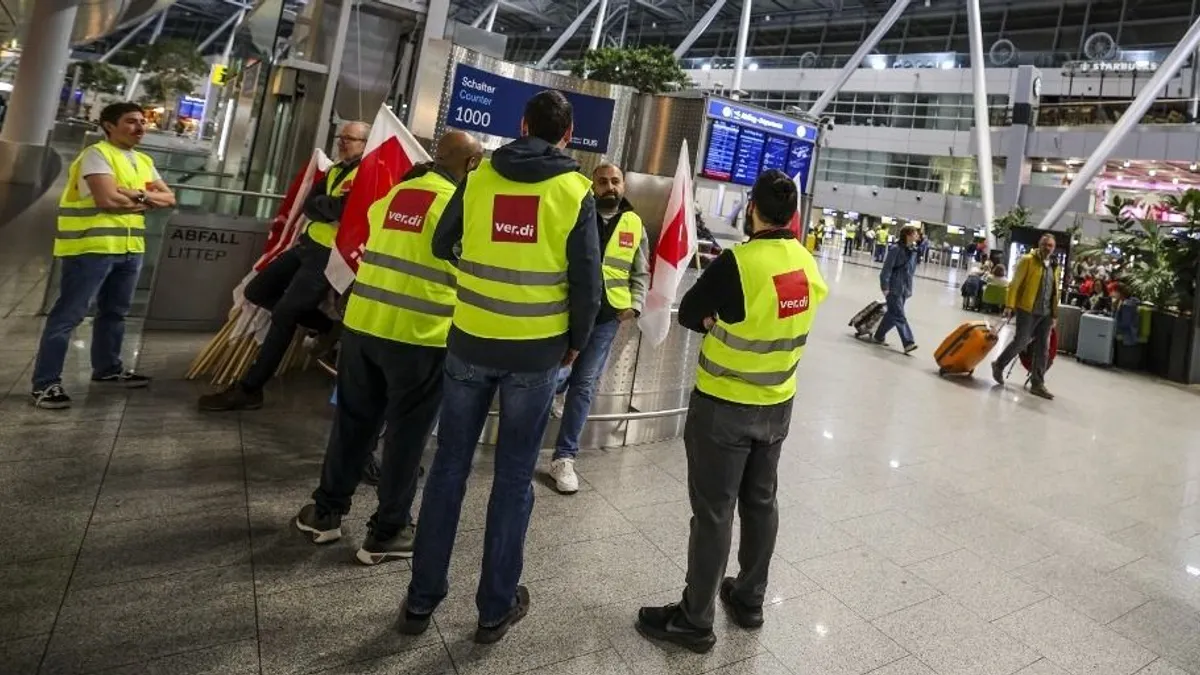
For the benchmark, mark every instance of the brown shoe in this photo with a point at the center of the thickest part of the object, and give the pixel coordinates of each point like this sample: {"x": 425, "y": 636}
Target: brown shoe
{"x": 1040, "y": 390}
{"x": 231, "y": 399}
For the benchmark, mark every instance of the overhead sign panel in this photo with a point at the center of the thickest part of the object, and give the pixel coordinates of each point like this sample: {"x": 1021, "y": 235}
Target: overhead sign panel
{"x": 494, "y": 104}
{"x": 742, "y": 142}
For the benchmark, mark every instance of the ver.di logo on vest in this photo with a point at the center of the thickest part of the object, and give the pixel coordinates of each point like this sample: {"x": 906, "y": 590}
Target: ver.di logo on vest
{"x": 625, "y": 240}
{"x": 791, "y": 288}
{"x": 515, "y": 219}
{"x": 408, "y": 210}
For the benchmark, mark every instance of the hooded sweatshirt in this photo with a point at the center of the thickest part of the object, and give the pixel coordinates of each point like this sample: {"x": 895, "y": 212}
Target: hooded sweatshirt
{"x": 532, "y": 160}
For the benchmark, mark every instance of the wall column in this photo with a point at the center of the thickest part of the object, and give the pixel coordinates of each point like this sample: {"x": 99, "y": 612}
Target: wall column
{"x": 45, "y": 52}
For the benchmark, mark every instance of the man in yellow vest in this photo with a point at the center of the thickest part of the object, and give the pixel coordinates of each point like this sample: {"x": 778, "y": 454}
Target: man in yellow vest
{"x": 100, "y": 243}
{"x": 393, "y": 348}
{"x": 626, "y": 272}
{"x": 849, "y": 230}
{"x": 293, "y": 286}
{"x": 756, "y": 305}
{"x": 523, "y": 231}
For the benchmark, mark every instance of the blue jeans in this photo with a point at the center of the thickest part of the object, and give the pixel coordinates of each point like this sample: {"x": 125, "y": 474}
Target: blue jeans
{"x": 580, "y": 382}
{"x": 467, "y": 394}
{"x": 894, "y": 318}
{"x": 110, "y": 280}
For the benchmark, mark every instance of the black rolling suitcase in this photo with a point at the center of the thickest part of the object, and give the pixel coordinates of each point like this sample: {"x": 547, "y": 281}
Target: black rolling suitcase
{"x": 866, "y": 321}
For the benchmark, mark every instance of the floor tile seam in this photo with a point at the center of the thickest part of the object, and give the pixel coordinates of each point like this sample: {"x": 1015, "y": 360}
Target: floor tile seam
{"x": 905, "y": 566}
{"x": 368, "y": 575}
{"x": 44, "y": 458}
{"x": 897, "y": 660}
{"x": 164, "y": 577}
{"x": 159, "y": 657}
{"x": 79, "y": 550}
{"x": 940, "y": 595}
{"x": 1122, "y": 616}
{"x": 33, "y": 286}
{"x": 110, "y": 520}
{"x": 250, "y": 546}
{"x": 153, "y": 471}
{"x": 569, "y": 658}
{"x": 339, "y": 667}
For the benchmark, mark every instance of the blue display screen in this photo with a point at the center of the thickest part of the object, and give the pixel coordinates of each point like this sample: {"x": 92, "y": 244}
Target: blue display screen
{"x": 775, "y": 156}
{"x": 722, "y": 144}
{"x": 800, "y": 161}
{"x": 493, "y": 104}
{"x": 747, "y": 160}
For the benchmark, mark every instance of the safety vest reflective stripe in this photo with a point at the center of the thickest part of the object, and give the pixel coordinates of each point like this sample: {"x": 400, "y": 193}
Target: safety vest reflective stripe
{"x": 409, "y": 267}
{"x": 507, "y": 276}
{"x": 616, "y": 284}
{"x": 337, "y": 184}
{"x": 623, "y": 265}
{"x": 82, "y": 212}
{"x": 768, "y": 379}
{"x": 95, "y": 232}
{"x": 402, "y": 301}
{"x": 757, "y": 346}
{"x": 514, "y": 309}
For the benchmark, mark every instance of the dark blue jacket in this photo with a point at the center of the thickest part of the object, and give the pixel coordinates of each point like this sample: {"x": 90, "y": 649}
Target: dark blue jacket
{"x": 898, "y": 269}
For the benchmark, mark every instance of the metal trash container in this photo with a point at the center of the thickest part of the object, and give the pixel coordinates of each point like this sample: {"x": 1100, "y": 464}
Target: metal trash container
{"x": 202, "y": 258}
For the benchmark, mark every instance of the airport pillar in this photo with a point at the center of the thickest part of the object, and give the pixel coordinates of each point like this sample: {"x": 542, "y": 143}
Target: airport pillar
{"x": 38, "y": 86}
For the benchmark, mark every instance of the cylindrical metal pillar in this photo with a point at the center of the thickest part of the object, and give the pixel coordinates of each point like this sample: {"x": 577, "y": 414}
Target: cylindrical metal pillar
{"x": 1170, "y": 66}
{"x": 983, "y": 131}
{"x": 491, "y": 20}
{"x": 45, "y": 52}
{"x": 743, "y": 37}
{"x": 598, "y": 27}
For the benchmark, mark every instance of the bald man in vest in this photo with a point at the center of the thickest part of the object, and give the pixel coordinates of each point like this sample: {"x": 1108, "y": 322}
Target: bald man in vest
{"x": 293, "y": 286}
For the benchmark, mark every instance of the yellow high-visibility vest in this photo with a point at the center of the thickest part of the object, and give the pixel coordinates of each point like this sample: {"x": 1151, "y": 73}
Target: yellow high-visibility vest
{"x": 512, "y": 274}
{"x": 402, "y": 292}
{"x": 753, "y": 362}
{"x": 335, "y": 186}
{"x": 85, "y": 228}
{"x": 619, "y": 253}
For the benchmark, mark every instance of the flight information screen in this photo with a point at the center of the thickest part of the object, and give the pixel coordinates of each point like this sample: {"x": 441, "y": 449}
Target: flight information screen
{"x": 743, "y": 142}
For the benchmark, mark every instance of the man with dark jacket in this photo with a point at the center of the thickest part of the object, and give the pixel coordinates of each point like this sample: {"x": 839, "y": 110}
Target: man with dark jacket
{"x": 626, "y": 272}
{"x": 522, "y": 230}
{"x": 896, "y": 282}
{"x": 293, "y": 286}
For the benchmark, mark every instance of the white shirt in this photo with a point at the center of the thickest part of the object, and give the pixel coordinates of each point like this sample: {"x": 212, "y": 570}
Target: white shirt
{"x": 94, "y": 163}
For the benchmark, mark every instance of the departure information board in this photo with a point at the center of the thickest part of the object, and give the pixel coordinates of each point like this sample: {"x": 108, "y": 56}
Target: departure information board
{"x": 743, "y": 142}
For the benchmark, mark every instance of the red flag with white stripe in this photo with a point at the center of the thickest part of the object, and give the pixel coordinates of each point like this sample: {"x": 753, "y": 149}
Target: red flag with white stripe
{"x": 290, "y": 221}
{"x": 391, "y": 151}
{"x": 676, "y": 246}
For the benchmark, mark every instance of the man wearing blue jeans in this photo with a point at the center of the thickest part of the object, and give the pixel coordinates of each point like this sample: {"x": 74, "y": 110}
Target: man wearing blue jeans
{"x": 527, "y": 295}
{"x": 100, "y": 244}
{"x": 626, "y": 272}
{"x": 896, "y": 282}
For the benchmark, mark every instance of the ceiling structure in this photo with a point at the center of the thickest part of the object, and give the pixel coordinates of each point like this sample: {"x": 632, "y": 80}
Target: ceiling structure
{"x": 778, "y": 27}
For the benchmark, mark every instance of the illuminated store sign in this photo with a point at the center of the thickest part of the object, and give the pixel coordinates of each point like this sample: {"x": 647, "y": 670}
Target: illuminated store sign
{"x": 1112, "y": 66}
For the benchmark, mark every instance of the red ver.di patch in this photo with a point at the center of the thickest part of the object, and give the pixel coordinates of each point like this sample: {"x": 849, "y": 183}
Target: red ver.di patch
{"x": 625, "y": 240}
{"x": 408, "y": 210}
{"x": 515, "y": 218}
{"x": 791, "y": 288}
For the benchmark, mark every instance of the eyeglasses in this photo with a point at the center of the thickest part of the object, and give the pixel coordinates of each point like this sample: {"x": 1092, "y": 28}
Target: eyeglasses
{"x": 351, "y": 139}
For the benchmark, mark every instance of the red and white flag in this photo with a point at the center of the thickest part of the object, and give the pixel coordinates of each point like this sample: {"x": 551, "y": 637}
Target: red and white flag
{"x": 676, "y": 245}
{"x": 290, "y": 221}
{"x": 391, "y": 151}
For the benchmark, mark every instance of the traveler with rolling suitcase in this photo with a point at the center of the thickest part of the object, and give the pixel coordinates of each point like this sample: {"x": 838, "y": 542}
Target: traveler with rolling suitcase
{"x": 896, "y": 281}
{"x": 1033, "y": 299}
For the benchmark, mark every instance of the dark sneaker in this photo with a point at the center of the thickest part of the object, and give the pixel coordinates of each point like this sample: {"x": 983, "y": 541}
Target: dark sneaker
{"x": 998, "y": 373}
{"x": 127, "y": 379}
{"x": 910, "y": 348}
{"x": 879, "y": 341}
{"x": 667, "y": 623}
{"x": 376, "y": 550}
{"x": 230, "y": 399}
{"x": 1041, "y": 391}
{"x": 324, "y": 527}
{"x": 412, "y": 623}
{"x": 53, "y": 397}
{"x": 743, "y": 615}
{"x": 486, "y": 635}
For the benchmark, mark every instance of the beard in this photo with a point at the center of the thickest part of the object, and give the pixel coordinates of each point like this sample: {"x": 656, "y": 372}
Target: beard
{"x": 608, "y": 202}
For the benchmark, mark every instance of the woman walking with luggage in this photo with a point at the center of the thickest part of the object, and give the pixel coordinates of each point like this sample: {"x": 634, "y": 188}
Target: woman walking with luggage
{"x": 896, "y": 281}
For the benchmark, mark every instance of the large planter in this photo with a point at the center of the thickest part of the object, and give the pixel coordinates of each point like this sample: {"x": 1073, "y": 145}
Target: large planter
{"x": 1168, "y": 354}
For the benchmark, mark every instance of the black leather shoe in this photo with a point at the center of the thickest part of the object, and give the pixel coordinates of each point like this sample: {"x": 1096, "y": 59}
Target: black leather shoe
{"x": 667, "y": 624}
{"x": 412, "y": 623}
{"x": 486, "y": 635}
{"x": 743, "y": 615}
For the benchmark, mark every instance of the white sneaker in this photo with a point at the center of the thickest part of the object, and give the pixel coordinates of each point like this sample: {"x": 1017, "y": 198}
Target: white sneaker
{"x": 563, "y": 473}
{"x": 556, "y": 408}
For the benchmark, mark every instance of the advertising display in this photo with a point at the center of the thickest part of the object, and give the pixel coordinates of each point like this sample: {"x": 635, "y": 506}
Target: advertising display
{"x": 743, "y": 142}
{"x": 493, "y": 104}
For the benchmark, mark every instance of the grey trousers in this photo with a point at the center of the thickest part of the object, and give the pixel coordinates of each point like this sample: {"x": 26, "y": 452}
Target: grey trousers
{"x": 733, "y": 458}
{"x": 1030, "y": 329}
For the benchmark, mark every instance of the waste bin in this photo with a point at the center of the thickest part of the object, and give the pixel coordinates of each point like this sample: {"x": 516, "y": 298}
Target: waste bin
{"x": 203, "y": 257}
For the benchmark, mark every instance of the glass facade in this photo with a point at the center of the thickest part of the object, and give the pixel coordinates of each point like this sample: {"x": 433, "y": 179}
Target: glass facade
{"x": 942, "y": 112}
{"x": 919, "y": 173}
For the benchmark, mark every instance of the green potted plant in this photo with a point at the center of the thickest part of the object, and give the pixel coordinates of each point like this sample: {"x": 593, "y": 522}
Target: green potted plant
{"x": 650, "y": 70}
{"x": 1003, "y": 225}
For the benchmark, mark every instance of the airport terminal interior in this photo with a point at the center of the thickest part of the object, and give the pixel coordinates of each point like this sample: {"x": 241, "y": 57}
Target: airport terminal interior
{"x": 930, "y": 522}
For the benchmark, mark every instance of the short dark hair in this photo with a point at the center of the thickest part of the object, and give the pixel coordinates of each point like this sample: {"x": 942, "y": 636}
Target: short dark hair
{"x": 774, "y": 198}
{"x": 548, "y": 116}
{"x": 113, "y": 112}
{"x": 907, "y": 230}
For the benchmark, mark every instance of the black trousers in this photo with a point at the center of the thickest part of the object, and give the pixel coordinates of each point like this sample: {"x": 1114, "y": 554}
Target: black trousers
{"x": 733, "y": 460}
{"x": 292, "y": 287}
{"x": 381, "y": 381}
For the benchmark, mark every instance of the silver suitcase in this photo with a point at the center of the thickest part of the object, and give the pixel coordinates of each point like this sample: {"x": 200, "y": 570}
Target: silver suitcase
{"x": 1095, "y": 339}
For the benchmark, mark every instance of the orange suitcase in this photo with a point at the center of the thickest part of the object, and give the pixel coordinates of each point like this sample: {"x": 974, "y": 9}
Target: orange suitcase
{"x": 965, "y": 348}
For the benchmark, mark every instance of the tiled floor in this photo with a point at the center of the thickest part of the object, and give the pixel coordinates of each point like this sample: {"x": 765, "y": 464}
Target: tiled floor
{"x": 928, "y": 526}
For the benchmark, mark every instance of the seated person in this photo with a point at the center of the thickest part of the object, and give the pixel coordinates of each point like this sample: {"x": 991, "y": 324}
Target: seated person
{"x": 997, "y": 278}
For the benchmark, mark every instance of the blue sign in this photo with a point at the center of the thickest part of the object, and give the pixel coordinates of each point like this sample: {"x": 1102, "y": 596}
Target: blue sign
{"x": 719, "y": 109}
{"x": 493, "y": 104}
